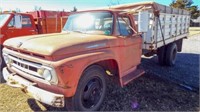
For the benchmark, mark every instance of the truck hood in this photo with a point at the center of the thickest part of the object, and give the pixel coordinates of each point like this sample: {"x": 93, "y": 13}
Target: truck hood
{"x": 59, "y": 43}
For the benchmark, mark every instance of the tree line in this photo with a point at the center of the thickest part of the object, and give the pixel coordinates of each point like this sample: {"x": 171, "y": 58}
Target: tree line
{"x": 182, "y": 4}
{"x": 187, "y": 5}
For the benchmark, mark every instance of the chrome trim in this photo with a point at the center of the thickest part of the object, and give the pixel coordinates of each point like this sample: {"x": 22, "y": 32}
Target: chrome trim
{"x": 27, "y": 70}
{"x": 30, "y": 68}
{"x": 25, "y": 62}
{"x": 25, "y": 66}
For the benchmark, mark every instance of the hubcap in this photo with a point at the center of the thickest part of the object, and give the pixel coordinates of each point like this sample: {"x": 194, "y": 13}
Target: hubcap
{"x": 92, "y": 93}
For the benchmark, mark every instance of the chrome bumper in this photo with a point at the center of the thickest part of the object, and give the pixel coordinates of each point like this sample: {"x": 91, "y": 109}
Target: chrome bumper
{"x": 14, "y": 80}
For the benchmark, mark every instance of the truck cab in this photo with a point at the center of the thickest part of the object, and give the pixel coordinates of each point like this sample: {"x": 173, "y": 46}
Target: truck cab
{"x": 96, "y": 47}
{"x": 16, "y": 24}
{"x": 92, "y": 45}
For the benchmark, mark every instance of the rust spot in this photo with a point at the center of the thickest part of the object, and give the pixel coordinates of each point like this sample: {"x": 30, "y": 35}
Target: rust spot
{"x": 67, "y": 65}
{"x": 24, "y": 89}
{"x": 66, "y": 86}
{"x": 58, "y": 102}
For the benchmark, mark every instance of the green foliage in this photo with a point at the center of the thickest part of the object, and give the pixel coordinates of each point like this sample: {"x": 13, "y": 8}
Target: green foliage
{"x": 194, "y": 11}
{"x": 178, "y": 4}
{"x": 187, "y": 5}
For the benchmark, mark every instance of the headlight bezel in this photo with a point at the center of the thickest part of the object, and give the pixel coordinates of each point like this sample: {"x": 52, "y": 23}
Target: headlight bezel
{"x": 6, "y": 58}
{"x": 53, "y": 78}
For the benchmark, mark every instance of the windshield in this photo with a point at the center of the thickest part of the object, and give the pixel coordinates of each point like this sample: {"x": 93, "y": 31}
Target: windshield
{"x": 3, "y": 19}
{"x": 90, "y": 23}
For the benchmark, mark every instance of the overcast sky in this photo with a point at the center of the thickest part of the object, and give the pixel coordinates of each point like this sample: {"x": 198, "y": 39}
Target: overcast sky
{"x": 67, "y": 5}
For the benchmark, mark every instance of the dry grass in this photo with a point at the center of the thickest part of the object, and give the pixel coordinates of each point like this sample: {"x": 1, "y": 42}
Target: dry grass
{"x": 150, "y": 92}
{"x": 14, "y": 100}
{"x": 194, "y": 31}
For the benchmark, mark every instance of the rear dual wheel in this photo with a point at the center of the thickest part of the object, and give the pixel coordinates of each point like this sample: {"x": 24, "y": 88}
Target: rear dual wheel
{"x": 171, "y": 54}
{"x": 167, "y": 55}
{"x": 90, "y": 92}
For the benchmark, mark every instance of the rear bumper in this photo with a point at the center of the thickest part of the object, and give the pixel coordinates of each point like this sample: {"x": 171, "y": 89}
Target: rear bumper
{"x": 47, "y": 97}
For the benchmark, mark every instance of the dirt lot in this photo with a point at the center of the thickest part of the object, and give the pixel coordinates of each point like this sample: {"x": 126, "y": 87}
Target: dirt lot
{"x": 157, "y": 90}
{"x": 194, "y": 30}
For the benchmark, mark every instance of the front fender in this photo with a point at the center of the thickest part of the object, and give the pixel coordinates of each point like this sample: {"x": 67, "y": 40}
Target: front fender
{"x": 70, "y": 69}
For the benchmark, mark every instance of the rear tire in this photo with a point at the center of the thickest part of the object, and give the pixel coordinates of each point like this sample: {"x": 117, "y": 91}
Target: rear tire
{"x": 161, "y": 55}
{"x": 90, "y": 92}
{"x": 171, "y": 54}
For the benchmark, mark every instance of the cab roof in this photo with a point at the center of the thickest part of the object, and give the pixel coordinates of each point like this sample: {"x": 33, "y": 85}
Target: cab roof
{"x": 153, "y": 6}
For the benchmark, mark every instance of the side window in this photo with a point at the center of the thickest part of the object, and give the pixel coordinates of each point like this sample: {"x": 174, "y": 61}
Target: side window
{"x": 26, "y": 22}
{"x": 123, "y": 28}
{"x": 11, "y": 23}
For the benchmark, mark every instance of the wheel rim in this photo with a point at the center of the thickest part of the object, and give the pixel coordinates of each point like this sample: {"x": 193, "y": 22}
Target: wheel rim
{"x": 92, "y": 93}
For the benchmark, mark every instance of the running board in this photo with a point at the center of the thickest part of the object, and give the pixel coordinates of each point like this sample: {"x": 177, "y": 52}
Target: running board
{"x": 131, "y": 76}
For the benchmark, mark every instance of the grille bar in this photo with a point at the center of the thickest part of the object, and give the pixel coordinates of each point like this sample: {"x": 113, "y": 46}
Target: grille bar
{"x": 27, "y": 70}
{"x": 25, "y": 66}
{"x": 25, "y": 62}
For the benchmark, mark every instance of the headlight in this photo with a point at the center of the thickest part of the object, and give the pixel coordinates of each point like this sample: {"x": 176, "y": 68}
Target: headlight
{"x": 7, "y": 60}
{"x": 48, "y": 74}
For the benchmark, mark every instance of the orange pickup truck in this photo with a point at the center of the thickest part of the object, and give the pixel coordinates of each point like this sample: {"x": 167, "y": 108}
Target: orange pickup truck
{"x": 37, "y": 22}
{"x": 70, "y": 69}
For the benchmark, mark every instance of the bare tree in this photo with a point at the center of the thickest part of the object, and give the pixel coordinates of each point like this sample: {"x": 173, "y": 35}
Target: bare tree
{"x": 74, "y": 9}
{"x": 17, "y": 10}
{"x": 36, "y": 8}
{"x": 114, "y": 2}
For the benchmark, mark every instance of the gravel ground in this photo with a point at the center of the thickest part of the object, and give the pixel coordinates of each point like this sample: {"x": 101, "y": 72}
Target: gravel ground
{"x": 157, "y": 90}
{"x": 186, "y": 70}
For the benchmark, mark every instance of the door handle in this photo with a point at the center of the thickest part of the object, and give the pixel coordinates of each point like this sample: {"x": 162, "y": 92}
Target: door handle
{"x": 32, "y": 30}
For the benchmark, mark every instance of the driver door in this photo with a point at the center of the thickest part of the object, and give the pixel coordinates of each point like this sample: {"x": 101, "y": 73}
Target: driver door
{"x": 26, "y": 29}
{"x": 131, "y": 45}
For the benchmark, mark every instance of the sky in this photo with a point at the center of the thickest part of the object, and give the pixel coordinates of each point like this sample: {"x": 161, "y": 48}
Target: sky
{"x": 67, "y": 5}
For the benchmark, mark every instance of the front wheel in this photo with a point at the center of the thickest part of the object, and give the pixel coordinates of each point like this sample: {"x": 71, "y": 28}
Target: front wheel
{"x": 2, "y": 64}
{"x": 91, "y": 90}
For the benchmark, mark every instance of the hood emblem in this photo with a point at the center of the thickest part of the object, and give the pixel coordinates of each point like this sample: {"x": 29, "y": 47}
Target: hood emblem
{"x": 19, "y": 44}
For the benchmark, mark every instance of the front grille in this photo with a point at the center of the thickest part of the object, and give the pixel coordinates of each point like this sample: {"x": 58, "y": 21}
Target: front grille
{"x": 25, "y": 65}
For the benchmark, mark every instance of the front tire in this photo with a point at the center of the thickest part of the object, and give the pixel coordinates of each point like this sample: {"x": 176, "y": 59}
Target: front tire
{"x": 91, "y": 90}
{"x": 2, "y": 64}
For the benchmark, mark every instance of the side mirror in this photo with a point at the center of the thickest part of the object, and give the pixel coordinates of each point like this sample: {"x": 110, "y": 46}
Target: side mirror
{"x": 18, "y": 21}
{"x": 143, "y": 21}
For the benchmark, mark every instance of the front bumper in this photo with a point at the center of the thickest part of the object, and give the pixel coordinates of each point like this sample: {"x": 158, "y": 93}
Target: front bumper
{"x": 47, "y": 97}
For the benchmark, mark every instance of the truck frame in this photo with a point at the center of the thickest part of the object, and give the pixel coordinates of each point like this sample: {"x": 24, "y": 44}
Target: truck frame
{"x": 71, "y": 69}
